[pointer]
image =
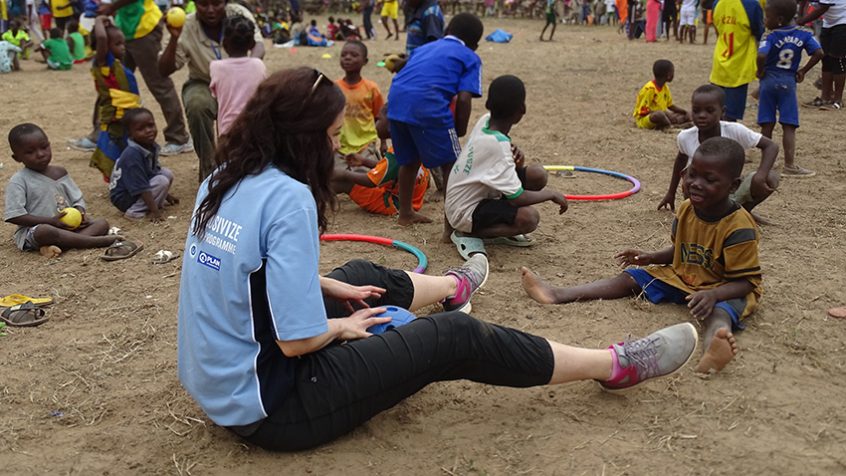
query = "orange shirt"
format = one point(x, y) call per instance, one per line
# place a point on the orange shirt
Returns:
point(364, 101)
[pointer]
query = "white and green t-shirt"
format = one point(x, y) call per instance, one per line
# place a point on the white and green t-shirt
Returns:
point(485, 169)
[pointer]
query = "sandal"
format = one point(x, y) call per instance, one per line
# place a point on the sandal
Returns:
point(467, 245)
point(831, 106)
point(15, 299)
point(24, 315)
point(121, 249)
point(520, 241)
point(797, 171)
point(164, 256)
point(817, 102)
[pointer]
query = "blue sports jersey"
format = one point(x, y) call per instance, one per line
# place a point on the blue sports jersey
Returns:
point(426, 25)
point(783, 48)
point(251, 280)
point(422, 91)
point(132, 173)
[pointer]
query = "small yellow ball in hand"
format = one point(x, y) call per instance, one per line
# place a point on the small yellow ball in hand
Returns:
point(175, 17)
point(72, 217)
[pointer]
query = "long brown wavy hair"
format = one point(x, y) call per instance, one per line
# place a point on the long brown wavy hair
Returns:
point(284, 125)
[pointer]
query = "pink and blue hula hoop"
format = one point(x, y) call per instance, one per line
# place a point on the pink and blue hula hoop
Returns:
point(609, 196)
point(422, 261)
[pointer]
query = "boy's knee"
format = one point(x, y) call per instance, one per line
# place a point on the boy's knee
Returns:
point(46, 234)
point(536, 177)
point(528, 219)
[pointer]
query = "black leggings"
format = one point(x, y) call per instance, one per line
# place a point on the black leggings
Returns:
point(342, 386)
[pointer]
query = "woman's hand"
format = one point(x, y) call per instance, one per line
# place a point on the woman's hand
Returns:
point(349, 294)
point(356, 325)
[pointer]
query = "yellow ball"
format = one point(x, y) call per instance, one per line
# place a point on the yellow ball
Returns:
point(175, 17)
point(72, 218)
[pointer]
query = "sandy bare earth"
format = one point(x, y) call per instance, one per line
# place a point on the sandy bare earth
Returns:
point(95, 390)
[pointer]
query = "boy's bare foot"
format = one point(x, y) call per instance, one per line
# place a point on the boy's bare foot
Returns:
point(722, 350)
point(50, 252)
point(535, 287)
point(413, 218)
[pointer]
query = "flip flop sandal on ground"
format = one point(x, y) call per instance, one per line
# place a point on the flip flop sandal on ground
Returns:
point(121, 250)
point(817, 102)
point(797, 171)
point(520, 241)
point(24, 315)
point(164, 256)
point(15, 299)
point(831, 106)
point(467, 245)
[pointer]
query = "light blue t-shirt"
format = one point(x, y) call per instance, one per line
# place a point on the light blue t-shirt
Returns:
point(422, 91)
point(250, 281)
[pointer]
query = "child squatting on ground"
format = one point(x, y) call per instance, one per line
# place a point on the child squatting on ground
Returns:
point(654, 108)
point(139, 185)
point(422, 126)
point(778, 69)
point(491, 191)
point(708, 105)
point(235, 79)
point(37, 195)
point(56, 52)
point(712, 265)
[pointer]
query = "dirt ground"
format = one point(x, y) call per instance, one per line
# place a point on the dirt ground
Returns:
point(95, 391)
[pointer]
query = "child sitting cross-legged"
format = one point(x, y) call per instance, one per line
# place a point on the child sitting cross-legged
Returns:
point(708, 107)
point(139, 185)
point(37, 198)
point(654, 108)
point(712, 265)
point(490, 191)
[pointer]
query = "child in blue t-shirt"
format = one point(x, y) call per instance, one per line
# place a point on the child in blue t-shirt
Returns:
point(422, 126)
point(139, 186)
point(778, 69)
point(425, 23)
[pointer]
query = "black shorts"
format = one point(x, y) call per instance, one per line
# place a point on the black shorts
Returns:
point(399, 290)
point(496, 211)
point(833, 41)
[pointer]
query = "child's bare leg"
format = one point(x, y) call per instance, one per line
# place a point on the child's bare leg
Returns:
point(387, 28)
point(536, 178)
point(406, 177)
point(98, 227)
point(767, 130)
point(446, 169)
point(720, 344)
point(47, 235)
point(430, 289)
point(789, 143)
point(660, 119)
point(617, 287)
point(396, 29)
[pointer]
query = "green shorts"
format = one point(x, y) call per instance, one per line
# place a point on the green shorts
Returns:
point(743, 194)
point(550, 17)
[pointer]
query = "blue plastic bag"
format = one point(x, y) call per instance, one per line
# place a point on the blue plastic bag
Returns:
point(499, 36)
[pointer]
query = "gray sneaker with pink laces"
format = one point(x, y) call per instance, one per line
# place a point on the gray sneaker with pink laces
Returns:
point(659, 354)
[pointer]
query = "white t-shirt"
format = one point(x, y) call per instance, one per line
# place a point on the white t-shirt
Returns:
point(836, 13)
point(689, 138)
point(485, 169)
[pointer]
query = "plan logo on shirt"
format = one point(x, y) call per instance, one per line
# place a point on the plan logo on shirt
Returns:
point(208, 260)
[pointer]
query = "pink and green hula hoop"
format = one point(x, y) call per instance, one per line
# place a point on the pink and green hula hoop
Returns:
point(422, 261)
point(608, 196)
